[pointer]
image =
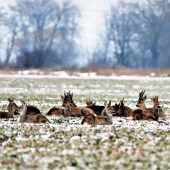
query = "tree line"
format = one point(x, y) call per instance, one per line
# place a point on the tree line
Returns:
point(41, 33)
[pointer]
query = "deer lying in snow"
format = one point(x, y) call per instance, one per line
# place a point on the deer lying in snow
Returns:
point(72, 111)
point(141, 104)
point(100, 120)
point(68, 98)
point(39, 118)
point(10, 113)
point(31, 110)
point(151, 114)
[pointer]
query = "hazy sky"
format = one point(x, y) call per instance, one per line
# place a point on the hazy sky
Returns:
point(91, 21)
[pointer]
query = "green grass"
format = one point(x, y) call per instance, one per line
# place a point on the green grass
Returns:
point(65, 143)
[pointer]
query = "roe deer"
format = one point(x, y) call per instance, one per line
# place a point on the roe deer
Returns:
point(152, 114)
point(100, 120)
point(72, 111)
point(39, 118)
point(55, 111)
point(90, 103)
point(10, 113)
point(68, 99)
point(156, 105)
point(141, 104)
point(108, 109)
point(31, 110)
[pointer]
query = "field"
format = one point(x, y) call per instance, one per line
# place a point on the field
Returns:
point(65, 143)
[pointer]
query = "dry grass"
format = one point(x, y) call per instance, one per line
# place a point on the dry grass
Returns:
point(102, 70)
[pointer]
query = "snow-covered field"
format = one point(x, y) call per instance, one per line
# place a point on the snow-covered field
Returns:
point(65, 143)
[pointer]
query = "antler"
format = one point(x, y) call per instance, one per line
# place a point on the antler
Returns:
point(121, 102)
point(141, 94)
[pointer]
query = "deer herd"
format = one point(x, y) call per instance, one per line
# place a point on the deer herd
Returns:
point(92, 114)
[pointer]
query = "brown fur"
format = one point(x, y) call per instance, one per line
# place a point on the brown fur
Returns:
point(72, 111)
point(10, 113)
point(108, 109)
point(157, 104)
point(148, 111)
point(95, 120)
point(144, 114)
point(56, 112)
point(68, 98)
point(39, 118)
point(90, 103)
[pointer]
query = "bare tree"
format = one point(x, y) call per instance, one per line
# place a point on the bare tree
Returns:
point(151, 18)
point(118, 39)
point(44, 25)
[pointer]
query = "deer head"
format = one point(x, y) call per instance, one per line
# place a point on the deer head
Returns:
point(117, 109)
point(12, 106)
point(67, 99)
point(109, 108)
point(155, 102)
point(141, 100)
point(22, 109)
point(90, 103)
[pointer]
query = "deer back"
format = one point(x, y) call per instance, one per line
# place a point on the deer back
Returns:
point(56, 112)
point(88, 120)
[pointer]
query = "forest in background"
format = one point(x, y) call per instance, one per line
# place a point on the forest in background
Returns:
point(45, 34)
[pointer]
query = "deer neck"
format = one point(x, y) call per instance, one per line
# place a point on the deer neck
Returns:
point(10, 114)
point(143, 106)
point(109, 119)
point(23, 116)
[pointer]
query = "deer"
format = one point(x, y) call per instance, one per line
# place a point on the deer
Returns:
point(141, 104)
point(91, 119)
point(68, 98)
point(31, 110)
point(151, 115)
point(122, 110)
point(90, 103)
point(38, 118)
point(157, 105)
point(10, 113)
point(55, 111)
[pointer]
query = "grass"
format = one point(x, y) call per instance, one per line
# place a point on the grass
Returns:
point(65, 143)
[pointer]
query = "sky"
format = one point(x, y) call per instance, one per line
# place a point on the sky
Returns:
point(91, 22)
point(91, 17)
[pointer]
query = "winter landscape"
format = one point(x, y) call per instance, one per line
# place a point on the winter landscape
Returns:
point(65, 143)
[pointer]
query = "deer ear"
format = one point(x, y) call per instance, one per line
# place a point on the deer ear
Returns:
point(119, 105)
point(64, 93)
point(94, 103)
point(62, 97)
point(22, 101)
point(144, 98)
point(109, 103)
point(72, 94)
point(9, 99)
point(105, 103)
